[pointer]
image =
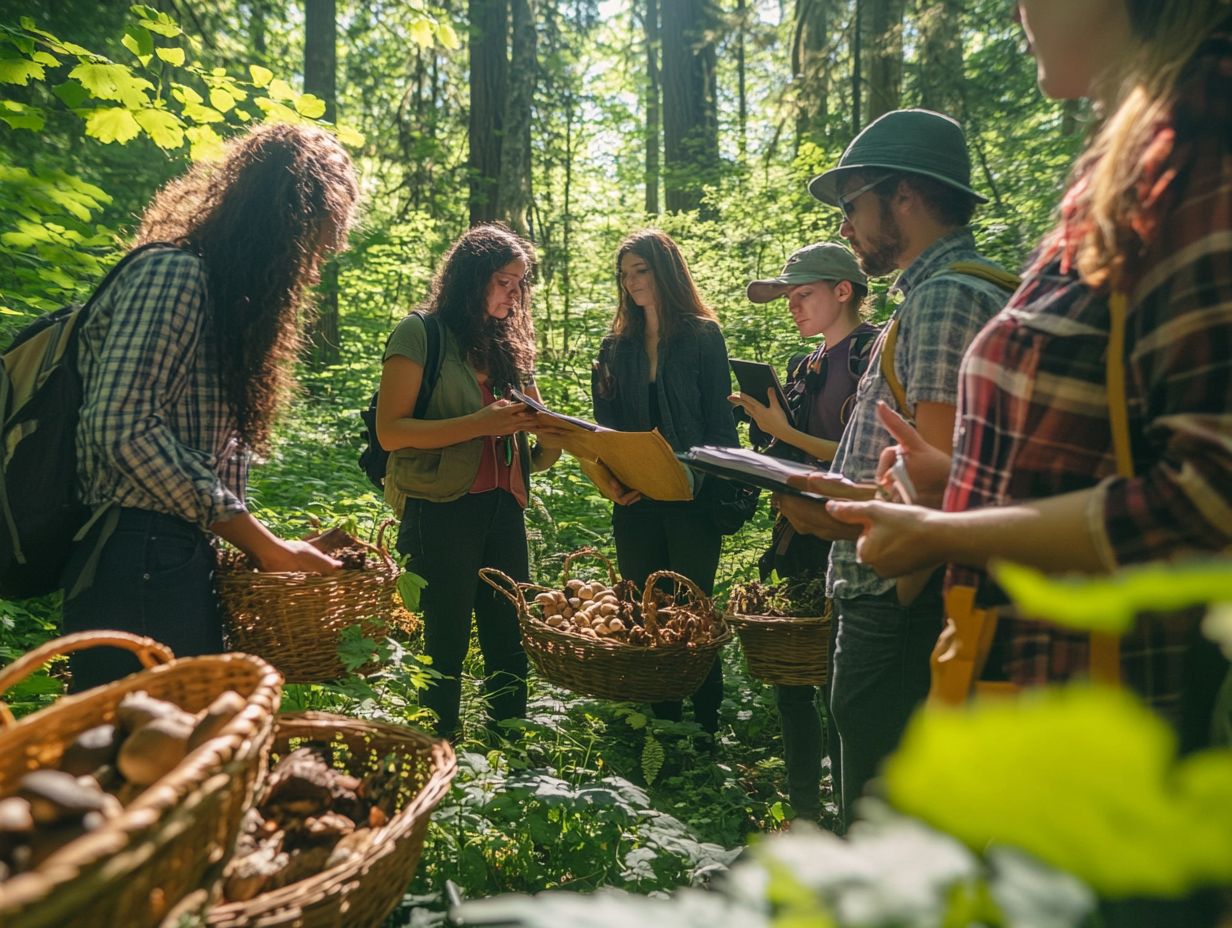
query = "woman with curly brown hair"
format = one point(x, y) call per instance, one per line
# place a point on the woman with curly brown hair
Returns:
point(459, 474)
point(185, 360)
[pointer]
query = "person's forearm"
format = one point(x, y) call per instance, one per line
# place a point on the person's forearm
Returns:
point(247, 533)
point(1053, 534)
point(820, 449)
point(429, 433)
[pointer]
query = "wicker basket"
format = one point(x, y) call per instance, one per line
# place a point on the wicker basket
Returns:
point(363, 891)
point(295, 620)
point(787, 650)
point(612, 669)
point(177, 836)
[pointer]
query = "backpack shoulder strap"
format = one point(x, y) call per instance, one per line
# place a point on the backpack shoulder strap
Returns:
point(990, 273)
point(120, 265)
point(432, 363)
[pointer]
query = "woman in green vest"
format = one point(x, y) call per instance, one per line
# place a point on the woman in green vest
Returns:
point(460, 475)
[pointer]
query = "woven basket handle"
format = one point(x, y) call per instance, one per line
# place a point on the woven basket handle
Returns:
point(699, 598)
point(506, 586)
point(380, 537)
point(147, 650)
point(587, 552)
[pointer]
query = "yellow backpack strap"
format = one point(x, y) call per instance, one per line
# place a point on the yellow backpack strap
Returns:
point(961, 651)
point(1106, 649)
point(988, 272)
point(887, 369)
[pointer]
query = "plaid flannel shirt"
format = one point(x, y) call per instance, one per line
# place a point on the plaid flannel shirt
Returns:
point(156, 431)
point(941, 312)
point(1033, 407)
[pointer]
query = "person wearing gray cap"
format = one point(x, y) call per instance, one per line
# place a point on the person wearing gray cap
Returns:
point(904, 188)
point(824, 288)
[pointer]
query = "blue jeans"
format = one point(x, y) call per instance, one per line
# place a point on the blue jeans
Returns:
point(155, 577)
point(447, 544)
point(881, 675)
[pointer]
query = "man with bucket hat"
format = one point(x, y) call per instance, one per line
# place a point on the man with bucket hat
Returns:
point(824, 288)
point(904, 188)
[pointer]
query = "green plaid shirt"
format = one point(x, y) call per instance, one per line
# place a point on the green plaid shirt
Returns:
point(156, 432)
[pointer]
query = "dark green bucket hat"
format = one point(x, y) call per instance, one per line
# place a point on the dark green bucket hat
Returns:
point(918, 141)
point(820, 261)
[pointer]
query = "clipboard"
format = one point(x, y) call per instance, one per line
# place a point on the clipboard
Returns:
point(746, 466)
point(642, 461)
point(758, 379)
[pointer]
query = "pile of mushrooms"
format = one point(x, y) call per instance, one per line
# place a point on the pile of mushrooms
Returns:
point(100, 772)
point(597, 610)
point(311, 817)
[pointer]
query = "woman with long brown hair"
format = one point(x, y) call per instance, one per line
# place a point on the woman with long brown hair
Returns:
point(664, 366)
point(459, 476)
point(185, 360)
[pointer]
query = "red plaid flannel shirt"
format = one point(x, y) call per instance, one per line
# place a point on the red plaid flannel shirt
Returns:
point(1033, 413)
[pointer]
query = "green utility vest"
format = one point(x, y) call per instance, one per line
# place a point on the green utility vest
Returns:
point(440, 475)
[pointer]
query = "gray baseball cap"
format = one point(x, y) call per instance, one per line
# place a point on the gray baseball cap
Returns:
point(819, 261)
point(916, 141)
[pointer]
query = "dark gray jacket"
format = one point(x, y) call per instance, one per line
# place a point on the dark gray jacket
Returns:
point(693, 382)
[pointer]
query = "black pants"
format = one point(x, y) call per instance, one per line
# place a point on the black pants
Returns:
point(652, 536)
point(155, 577)
point(447, 544)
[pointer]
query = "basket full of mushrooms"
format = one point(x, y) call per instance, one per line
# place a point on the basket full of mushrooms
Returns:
point(612, 640)
point(121, 804)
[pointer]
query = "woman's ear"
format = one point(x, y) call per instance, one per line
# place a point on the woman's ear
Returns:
point(843, 291)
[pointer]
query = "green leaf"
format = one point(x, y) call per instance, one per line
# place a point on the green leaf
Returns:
point(160, 23)
point(1085, 779)
point(173, 56)
point(277, 112)
point(310, 106)
point(221, 100)
point(139, 42)
point(186, 94)
point(280, 90)
point(446, 35)
point(20, 116)
point(46, 58)
point(112, 124)
point(348, 136)
point(19, 71)
point(410, 586)
point(163, 127)
point(1111, 604)
point(206, 144)
point(202, 114)
point(71, 93)
point(653, 757)
point(260, 76)
point(423, 33)
point(113, 82)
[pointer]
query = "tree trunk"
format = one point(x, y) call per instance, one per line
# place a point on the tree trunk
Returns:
point(320, 79)
point(515, 178)
point(857, 64)
point(489, 28)
point(808, 68)
point(654, 140)
point(941, 56)
point(882, 22)
point(690, 115)
point(742, 107)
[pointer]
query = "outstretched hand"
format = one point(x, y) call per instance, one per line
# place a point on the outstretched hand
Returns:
point(292, 556)
point(895, 540)
point(770, 417)
point(505, 417)
point(928, 467)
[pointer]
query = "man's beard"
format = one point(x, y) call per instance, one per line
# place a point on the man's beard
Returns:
point(882, 256)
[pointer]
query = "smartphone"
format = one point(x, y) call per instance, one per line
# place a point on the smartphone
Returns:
point(758, 379)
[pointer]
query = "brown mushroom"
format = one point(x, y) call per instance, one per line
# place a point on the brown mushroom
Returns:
point(223, 709)
point(93, 748)
point(138, 709)
point(154, 749)
point(55, 797)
